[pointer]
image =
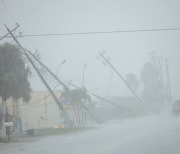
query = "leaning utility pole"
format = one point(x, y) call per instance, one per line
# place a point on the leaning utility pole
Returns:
point(85, 65)
point(37, 70)
point(62, 83)
point(168, 83)
point(157, 67)
point(55, 76)
point(161, 77)
point(47, 86)
point(66, 87)
point(158, 72)
point(154, 63)
point(121, 77)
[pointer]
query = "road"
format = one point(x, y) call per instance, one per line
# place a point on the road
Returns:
point(155, 134)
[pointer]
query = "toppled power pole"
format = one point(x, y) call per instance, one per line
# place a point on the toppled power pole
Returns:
point(46, 84)
point(44, 66)
point(37, 70)
point(66, 87)
point(42, 78)
point(121, 77)
point(61, 82)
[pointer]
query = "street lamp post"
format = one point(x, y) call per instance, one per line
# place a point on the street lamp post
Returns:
point(85, 65)
point(60, 66)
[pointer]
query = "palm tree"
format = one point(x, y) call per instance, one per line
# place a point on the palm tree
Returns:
point(78, 98)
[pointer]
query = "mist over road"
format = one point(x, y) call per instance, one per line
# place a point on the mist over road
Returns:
point(155, 134)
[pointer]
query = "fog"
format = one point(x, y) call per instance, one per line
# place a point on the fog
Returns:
point(128, 51)
point(68, 37)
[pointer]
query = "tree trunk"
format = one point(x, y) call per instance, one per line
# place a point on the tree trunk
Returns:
point(3, 130)
point(18, 115)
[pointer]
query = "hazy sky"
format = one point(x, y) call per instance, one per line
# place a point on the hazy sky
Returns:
point(128, 51)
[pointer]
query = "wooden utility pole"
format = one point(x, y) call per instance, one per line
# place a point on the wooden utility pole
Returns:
point(60, 66)
point(37, 70)
point(55, 76)
point(154, 64)
point(168, 83)
point(121, 77)
point(66, 87)
point(85, 65)
point(161, 77)
point(17, 26)
point(62, 83)
point(158, 72)
point(40, 75)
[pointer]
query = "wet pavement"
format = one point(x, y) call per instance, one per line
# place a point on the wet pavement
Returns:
point(155, 134)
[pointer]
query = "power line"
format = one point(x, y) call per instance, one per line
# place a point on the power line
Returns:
point(9, 11)
point(50, 80)
point(38, 100)
point(101, 32)
point(13, 18)
point(48, 77)
point(35, 102)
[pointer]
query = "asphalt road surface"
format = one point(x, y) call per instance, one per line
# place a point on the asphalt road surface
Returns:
point(155, 134)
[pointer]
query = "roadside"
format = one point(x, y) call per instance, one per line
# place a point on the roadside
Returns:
point(44, 132)
point(151, 134)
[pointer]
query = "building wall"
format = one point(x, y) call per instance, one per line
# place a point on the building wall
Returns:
point(43, 112)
